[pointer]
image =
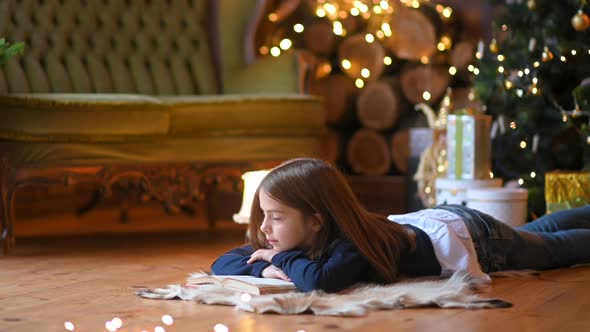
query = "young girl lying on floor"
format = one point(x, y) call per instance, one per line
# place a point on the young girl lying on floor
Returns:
point(307, 226)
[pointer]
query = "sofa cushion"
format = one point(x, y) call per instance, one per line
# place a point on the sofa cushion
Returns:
point(245, 115)
point(81, 117)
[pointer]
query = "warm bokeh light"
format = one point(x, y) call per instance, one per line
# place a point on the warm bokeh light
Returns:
point(365, 73)
point(359, 83)
point(167, 319)
point(298, 28)
point(220, 328)
point(69, 326)
point(275, 51)
point(285, 44)
point(346, 64)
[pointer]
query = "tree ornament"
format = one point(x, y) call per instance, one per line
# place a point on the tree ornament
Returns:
point(547, 55)
point(494, 46)
point(531, 4)
point(580, 21)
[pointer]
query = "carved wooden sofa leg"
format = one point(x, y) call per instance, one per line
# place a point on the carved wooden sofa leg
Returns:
point(7, 188)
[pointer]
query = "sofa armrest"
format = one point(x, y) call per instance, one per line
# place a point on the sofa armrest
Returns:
point(284, 74)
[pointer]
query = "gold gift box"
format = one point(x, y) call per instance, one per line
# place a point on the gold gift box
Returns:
point(566, 190)
point(469, 146)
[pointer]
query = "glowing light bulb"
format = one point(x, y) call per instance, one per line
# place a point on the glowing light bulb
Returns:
point(275, 51)
point(167, 319)
point(426, 95)
point(387, 61)
point(365, 73)
point(447, 12)
point(452, 70)
point(359, 83)
point(285, 44)
point(220, 328)
point(298, 28)
point(346, 64)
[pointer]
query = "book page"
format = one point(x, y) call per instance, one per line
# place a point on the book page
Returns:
point(257, 281)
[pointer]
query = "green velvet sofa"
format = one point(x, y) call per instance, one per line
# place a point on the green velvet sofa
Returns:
point(160, 94)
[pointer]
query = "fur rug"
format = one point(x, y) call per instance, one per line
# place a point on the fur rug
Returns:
point(455, 292)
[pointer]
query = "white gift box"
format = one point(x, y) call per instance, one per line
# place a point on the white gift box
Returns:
point(453, 191)
point(509, 205)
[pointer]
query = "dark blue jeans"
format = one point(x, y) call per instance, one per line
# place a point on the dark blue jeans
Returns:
point(559, 239)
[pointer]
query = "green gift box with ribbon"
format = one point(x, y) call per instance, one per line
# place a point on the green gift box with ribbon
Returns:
point(468, 146)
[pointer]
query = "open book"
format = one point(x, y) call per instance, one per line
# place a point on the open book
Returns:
point(245, 284)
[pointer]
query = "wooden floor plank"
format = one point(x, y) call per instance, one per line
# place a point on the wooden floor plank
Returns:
point(89, 280)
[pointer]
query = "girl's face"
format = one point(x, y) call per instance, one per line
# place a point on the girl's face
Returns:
point(286, 228)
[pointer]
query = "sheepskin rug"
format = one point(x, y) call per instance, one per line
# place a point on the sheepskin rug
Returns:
point(458, 291)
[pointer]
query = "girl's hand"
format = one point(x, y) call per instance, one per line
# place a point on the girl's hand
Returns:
point(262, 255)
point(272, 271)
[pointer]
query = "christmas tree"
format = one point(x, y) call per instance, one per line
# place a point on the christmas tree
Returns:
point(534, 78)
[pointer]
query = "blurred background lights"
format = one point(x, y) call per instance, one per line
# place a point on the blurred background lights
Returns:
point(285, 44)
point(359, 83)
point(346, 64)
point(298, 28)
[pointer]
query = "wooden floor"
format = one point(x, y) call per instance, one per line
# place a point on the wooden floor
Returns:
point(89, 280)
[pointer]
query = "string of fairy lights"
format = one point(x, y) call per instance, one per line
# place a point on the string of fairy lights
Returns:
point(524, 81)
point(377, 15)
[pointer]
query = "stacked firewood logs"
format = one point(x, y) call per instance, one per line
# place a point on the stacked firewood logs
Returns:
point(370, 85)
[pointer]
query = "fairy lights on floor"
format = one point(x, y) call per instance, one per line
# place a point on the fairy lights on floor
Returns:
point(116, 324)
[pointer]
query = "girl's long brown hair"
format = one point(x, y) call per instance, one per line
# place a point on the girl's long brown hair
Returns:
point(313, 186)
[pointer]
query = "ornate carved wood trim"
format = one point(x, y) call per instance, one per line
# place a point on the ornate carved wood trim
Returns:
point(174, 185)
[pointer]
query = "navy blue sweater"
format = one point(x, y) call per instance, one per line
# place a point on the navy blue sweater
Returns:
point(343, 266)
